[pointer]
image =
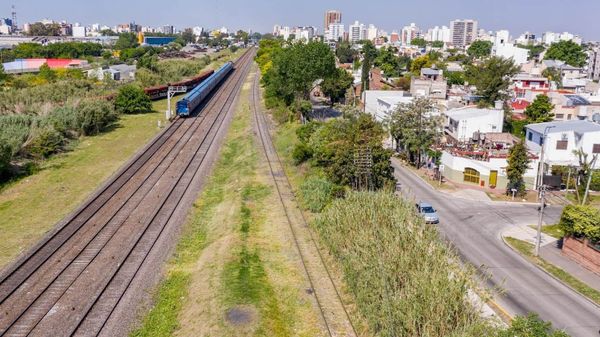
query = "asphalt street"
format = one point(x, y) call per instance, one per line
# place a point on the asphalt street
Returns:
point(475, 228)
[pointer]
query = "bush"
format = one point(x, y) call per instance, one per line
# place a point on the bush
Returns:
point(306, 130)
point(5, 156)
point(581, 221)
point(132, 99)
point(531, 325)
point(94, 116)
point(301, 153)
point(316, 193)
point(14, 131)
point(44, 141)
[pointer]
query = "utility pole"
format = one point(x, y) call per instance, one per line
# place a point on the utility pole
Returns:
point(540, 179)
point(538, 240)
point(591, 173)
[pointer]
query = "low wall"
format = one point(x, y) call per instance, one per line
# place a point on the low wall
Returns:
point(581, 252)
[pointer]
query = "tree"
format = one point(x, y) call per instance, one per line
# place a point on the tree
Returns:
point(518, 163)
point(46, 73)
point(188, 36)
point(437, 44)
point(420, 63)
point(419, 42)
point(149, 62)
point(492, 78)
point(126, 41)
point(369, 54)
point(480, 49)
point(3, 75)
point(568, 52)
point(335, 87)
point(534, 50)
point(108, 32)
point(414, 128)
point(345, 53)
point(531, 326)
point(389, 62)
point(455, 77)
point(132, 99)
point(40, 29)
point(540, 110)
point(403, 83)
point(553, 74)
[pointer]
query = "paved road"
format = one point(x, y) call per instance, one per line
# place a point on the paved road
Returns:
point(475, 229)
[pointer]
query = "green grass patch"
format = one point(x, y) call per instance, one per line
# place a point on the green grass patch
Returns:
point(552, 230)
point(163, 317)
point(526, 249)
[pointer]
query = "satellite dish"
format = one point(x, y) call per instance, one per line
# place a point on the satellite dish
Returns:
point(596, 117)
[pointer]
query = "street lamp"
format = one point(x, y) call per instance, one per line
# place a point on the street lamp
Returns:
point(542, 191)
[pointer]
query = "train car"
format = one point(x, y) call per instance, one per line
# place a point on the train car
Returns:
point(161, 91)
point(193, 99)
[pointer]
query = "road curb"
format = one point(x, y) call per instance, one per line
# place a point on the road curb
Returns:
point(450, 195)
point(550, 274)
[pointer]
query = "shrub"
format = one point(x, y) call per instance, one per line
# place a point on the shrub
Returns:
point(316, 193)
point(64, 120)
point(305, 131)
point(581, 221)
point(531, 325)
point(5, 156)
point(302, 152)
point(94, 116)
point(44, 141)
point(14, 131)
point(132, 99)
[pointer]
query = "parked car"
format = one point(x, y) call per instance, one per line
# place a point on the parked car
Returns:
point(428, 213)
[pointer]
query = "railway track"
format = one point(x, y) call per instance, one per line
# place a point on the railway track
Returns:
point(334, 315)
point(70, 283)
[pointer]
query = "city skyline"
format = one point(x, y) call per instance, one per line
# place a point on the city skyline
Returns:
point(536, 16)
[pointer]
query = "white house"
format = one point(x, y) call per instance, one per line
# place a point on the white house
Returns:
point(381, 102)
point(562, 139)
point(510, 51)
point(463, 123)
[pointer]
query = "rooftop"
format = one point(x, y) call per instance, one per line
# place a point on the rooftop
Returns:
point(469, 112)
point(578, 126)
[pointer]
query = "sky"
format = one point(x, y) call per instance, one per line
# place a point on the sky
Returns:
point(537, 16)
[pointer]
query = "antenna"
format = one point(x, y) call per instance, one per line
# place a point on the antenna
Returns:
point(14, 18)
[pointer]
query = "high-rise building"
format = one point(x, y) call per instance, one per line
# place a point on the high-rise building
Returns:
point(168, 29)
point(409, 33)
point(332, 17)
point(463, 32)
point(394, 37)
point(335, 32)
point(372, 33)
point(357, 32)
point(594, 63)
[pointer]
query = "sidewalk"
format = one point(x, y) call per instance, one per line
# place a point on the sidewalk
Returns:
point(528, 234)
point(553, 255)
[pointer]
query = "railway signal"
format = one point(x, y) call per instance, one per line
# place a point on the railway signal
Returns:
point(172, 91)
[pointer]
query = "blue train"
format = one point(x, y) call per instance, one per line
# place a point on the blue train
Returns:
point(193, 99)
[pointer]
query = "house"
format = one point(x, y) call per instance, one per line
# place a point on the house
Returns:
point(562, 138)
point(522, 83)
point(463, 123)
point(430, 84)
point(118, 72)
point(380, 103)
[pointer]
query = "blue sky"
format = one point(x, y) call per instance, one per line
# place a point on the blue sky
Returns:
point(576, 16)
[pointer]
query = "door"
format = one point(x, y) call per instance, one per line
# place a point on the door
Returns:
point(493, 178)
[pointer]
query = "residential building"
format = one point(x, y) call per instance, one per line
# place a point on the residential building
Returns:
point(409, 33)
point(510, 51)
point(381, 103)
point(431, 84)
point(372, 33)
point(438, 34)
point(526, 39)
point(593, 69)
point(562, 139)
point(549, 38)
point(394, 37)
point(501, 37)
point(79, 31)
point(357, 32)
point(463, 124)
point(463, 32)
point(523, 83)
point(482, 161)
point(168, 29)
point(332, 17)
point(336, 32)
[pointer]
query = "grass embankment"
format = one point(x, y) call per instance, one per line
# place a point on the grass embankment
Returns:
point(29, 207)
point(553, 230)
point(526, 249)
point(233, 272)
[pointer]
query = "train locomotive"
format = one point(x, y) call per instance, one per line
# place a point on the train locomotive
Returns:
point(192, 99)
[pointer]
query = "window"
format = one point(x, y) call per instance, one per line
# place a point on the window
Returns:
point(530, 135)
point(471, 175)
point(569, 116)
point(596, 148)
point(560, 116)
point(562, 144)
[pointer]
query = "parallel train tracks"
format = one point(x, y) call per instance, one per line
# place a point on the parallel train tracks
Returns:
point(70, 283)
point(333, 312)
